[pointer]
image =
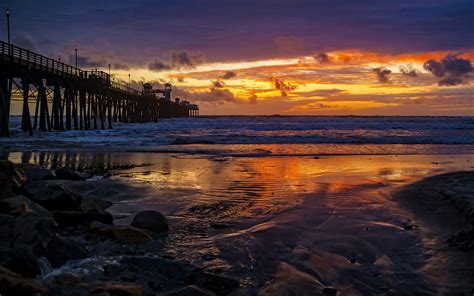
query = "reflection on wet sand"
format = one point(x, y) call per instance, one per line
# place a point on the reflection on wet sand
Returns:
point(282, 224)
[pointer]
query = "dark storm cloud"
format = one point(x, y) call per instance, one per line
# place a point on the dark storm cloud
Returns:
point(184, 59)
point(218, 83)
point(159, 66)
point(382, 74)
point(452, 69)
point(178, 60)
point(322, 58)
point(213, 96)
point(229, 75)
point(408, 70)
point(283, 86)
point(87, 62)
point(139, 30)
point(120, 66)
point(252, 99)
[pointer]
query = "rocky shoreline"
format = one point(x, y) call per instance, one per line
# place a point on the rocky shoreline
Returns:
point(50, 237)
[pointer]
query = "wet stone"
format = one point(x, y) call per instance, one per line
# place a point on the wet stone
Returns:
point(12, 283)
point(61, 250)
point(188, 291)
point(6, 177)
point(329, 291)
point(18, 205)
point(122, 289)
point(23, 261)
point(150, 220)
point(75, 218)
point(68, 174)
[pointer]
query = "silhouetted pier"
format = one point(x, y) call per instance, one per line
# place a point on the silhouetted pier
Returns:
point(66, 97)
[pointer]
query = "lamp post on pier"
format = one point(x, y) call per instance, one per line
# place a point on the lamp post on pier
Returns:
point(128, 79)
point(75, 49)
point(7, 13)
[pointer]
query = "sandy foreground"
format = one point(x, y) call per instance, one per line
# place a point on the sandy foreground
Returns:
point(365, 225)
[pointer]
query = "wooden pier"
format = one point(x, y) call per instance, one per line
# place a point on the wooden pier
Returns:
point(66, 97)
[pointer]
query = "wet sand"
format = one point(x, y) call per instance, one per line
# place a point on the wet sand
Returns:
point(296, 225)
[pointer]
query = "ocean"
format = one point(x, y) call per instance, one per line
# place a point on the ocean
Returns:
point(284, 204)
point(264, 136)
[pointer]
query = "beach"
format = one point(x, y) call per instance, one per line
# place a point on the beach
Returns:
point(262, 218)
point(282, 225)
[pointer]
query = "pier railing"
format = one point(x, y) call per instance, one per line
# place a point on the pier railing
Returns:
point(20, 56)
point(17, 55)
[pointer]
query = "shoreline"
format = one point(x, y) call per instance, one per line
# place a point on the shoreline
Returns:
point(443, 205)
point(126, 260)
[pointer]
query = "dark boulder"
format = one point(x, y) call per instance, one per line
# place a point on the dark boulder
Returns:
point(216, 283)
point(33, 230)
point(75, 218)
point(130, 234)
point(118, 289)
point(7, 227)
point(92, 203)
point(68, 290)
point(64, 279)
point(68, 174)
point(61, 250)
point(125, 234)
point(14, 284)
point(18, 205)
point(19, 178)
point(150, 220)
point(329, 291)
point(35, 173)
point(55, 197)
point(6, 178)
point(23, 261)
point(188, 291)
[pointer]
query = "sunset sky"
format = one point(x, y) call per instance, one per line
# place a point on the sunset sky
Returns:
point(268, 57)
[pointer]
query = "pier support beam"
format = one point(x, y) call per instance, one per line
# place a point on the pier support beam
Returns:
point(4, 105)
point(26, 117)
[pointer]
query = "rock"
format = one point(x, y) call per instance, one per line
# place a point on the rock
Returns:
point(23, 261)
point(329, 291)
point(19, 177)
point(91, 204)
point(130, 234)
point(7, 225)
point(61, 250)
point(176, 270)
point(150, 220)
point(119, 289)
point(75, 218)
point(65, 279)
point(54, 197)
point(6, 177)
point(68, 174)
point(33, 230)
point(35, 173)
point(18, 205)
point(67, 290)
point(126, 234)
point(14, 284)
point(187, 291)
point(216, 283)
point(102, 229)
point(219, 226)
